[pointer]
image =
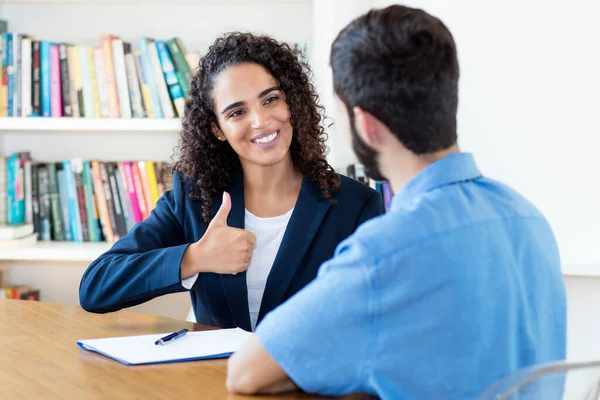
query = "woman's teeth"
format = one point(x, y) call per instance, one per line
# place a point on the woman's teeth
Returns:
point(266, 139)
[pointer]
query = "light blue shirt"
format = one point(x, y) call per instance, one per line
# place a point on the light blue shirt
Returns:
point(457, 286)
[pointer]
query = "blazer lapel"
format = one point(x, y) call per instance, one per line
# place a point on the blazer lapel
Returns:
point(304, 223)
point(234, 286)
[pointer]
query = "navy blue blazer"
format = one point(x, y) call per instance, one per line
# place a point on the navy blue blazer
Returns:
point(145, 263)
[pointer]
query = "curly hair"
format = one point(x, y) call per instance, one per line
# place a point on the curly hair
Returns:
point(210, 165)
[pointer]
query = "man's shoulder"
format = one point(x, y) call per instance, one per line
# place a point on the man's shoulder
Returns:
point(446, 210)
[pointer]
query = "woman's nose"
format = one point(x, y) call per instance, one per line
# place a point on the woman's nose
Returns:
point(261, 119)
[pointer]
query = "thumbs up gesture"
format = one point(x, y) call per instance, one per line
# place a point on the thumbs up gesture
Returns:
point(222, 249)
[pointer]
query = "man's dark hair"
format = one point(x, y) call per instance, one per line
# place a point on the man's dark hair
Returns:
point(400, 65)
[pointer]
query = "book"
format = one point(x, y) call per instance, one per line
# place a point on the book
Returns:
point(139, 350)
point(11, 232)
point(18, 243)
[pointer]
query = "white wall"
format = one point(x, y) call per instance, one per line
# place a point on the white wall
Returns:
point(197, 23)
point(528, 104)
point(330, 16)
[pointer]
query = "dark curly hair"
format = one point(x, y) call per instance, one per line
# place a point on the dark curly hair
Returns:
point(210, 165)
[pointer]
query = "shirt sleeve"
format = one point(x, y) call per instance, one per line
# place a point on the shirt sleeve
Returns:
point(322, 335)
point(188, 283)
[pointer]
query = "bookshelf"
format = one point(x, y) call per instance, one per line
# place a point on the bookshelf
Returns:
point(56, 267)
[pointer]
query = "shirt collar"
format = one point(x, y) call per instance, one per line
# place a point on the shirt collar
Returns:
point(454, 168)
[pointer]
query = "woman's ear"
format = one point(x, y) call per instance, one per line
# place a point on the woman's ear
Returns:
point(218, 133)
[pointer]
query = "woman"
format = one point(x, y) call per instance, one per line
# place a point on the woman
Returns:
point(255, 207)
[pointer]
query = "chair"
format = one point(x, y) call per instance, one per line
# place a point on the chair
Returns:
point(550, 381)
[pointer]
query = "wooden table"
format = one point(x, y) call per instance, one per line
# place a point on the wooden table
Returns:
point(39, 358)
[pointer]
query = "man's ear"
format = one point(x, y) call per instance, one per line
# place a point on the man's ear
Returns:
point(366, 126)
point(218, 133)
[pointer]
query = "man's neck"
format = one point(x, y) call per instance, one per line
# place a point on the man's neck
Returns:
point(403, 169)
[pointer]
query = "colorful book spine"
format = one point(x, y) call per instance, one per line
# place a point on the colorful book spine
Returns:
point(44, 195)
point(17, 73)
point(36, 85)
point(10, 74)
point(26, 78)
point(101, 82)
point(56, 108)
point(4, 75)
point(118, 206)
point(89, 202)
point(110, 201)
point(27, 186)
point(74, 219)
point(109, 69)
point(64, 203)
point(65, 82)
point(78, 80)
point(144, 86)
point(152, 182)
point(133, 83)
point(86, 83)
point(388, 195)
point(97, 108)
point(121, 78)
point(123, 198)
point(77, 168)
point(139, 190)
point(55, 206)
point(72, 63)
point(133, 199)
point(35, 199)
point(101, 202)
point(45, 73)
point(10, 188)
point(171, 80)
point(182, 69)
point(159, 78)
point(148, 76)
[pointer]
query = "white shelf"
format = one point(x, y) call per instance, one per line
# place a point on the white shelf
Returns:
point(56, 251)
point(39, 124)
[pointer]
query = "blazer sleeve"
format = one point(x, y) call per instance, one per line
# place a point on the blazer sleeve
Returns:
point(373, 208)
point(143, 264)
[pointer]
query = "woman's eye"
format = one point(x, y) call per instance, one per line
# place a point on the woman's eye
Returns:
point(271, 99)
point(236, 113)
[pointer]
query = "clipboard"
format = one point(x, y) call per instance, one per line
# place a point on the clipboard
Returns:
point(141, 350)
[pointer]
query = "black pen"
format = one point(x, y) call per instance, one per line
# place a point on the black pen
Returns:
point(171, 337)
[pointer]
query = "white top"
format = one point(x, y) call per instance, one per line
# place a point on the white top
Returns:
point(269, 234)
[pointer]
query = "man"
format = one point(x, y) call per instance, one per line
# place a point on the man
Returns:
point(457, 286)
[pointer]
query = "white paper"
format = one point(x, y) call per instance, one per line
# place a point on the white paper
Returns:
point(193, 346)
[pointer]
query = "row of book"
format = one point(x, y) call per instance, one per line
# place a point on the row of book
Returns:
point(357, 171)
point(20, 292)
point(109, 80)
point(80, 201)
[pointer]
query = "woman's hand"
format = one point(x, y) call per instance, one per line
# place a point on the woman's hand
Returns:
point(222, 249)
